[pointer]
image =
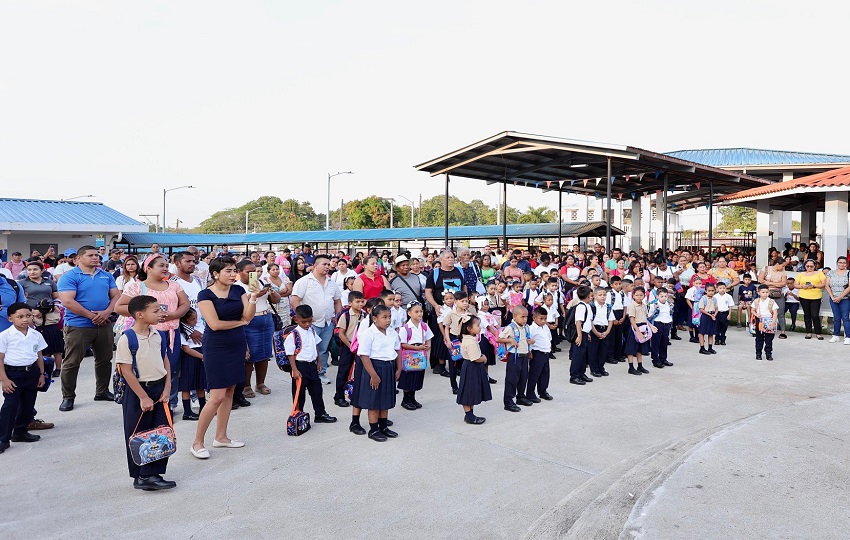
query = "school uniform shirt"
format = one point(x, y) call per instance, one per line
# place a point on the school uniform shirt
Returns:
point(551, 313)
point(764, 308)
point(469, 348)
point(21, 349)
point(638, 312)
point(708, 304)
point(602, 317)
point(557, 298)
point(616, 299)
point(584, 315)
point(522, 343)
point(444, 311)
point(378, 345)
point(397, 317)
point(453, 321)
point(724, 301)
point(627, 300)
point(348, 328)
point(416, 334)
point(663, 312)
point(530, 295)
point(309, 352)
point(691, 294)
point(790, 298)
point(148, 358)
point(542, 337)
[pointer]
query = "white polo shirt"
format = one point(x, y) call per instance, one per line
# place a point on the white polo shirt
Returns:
point(378, 345)
point(602, 317)
point(308, 352)
point(542, 337)
point(319, 297)
point(584, 314)
point(21, 349)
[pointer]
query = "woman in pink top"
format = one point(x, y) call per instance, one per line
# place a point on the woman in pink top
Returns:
point(173, 304)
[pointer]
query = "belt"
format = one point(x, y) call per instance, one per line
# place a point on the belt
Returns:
point(21, 368)
point(153, 383)
point(261, 313)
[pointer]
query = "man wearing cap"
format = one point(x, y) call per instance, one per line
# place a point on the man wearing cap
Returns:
point(70, 262)
point(89, 295)
point(407, 283)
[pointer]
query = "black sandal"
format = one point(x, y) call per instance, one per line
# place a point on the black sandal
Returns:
point(820, 337)
point(808, 336)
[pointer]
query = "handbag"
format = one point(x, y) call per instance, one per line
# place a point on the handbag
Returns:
point(298, 422)
point(454, 350)
point(776, 294)
point(413, 360)
point(153, 444)
point(278, 322)
point(348, 389)
point(643, 333)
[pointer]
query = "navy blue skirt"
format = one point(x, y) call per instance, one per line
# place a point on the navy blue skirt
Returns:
point(474, 384)
point(259, 335)
point(707, 326)
point(632, 346)
point(411, 381)
point(488, 351)
point(192, 373)
point(375, 400)
point(54, 339)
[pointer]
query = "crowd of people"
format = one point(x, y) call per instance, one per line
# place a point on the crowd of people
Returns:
point(196, 327)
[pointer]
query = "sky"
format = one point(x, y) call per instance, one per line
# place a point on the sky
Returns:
point(242, 99)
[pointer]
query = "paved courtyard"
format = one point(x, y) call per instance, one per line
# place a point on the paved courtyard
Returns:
point(717, 446)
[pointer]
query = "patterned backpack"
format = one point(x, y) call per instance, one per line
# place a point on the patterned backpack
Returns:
point(279, 341)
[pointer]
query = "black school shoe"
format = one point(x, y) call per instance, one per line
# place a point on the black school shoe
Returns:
point(190, 416)
point(659, 365)
point(546, 395)
point(475, 420)
point(677, 338)
point(491, 380)
point(324, 418)
point(357, 429)
point(242, 401)
point(153, 483)
point(408, 406)
point(585, 378)
point(758, 357)
point(512, 407)
point(551, 356)
point(67, 405)
point(577, 380)
point(341, 403)
point(534, 399)
point(524, 402)
point(769, 358)
point(642, 369)
point(26, 437)
point(377, 436)
point(104, 396)
point(389, 433)
point(666, 363)
point(416, 404)
point(632, 371)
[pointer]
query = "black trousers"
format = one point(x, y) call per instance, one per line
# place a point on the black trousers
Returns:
point(764, 341)
point(793, 308)
point(811, 314)
point(578, 357)
point(597, 353)
point(722, 324)
point(18, 406)
point(615, 343)
point(516, 377)
point(660, 341)
point(310, 382)
point(454, 365)
point(346, 360)
point(132, 408)
point(538, 373)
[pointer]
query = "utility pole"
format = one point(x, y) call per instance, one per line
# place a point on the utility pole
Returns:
point(341, 207)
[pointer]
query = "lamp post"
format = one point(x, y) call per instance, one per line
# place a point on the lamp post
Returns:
point(164, 192)
point(246, 217)
point(147, 218)
point(328, 214)
point(391, 200)
point(77, 197)
point(412, 208)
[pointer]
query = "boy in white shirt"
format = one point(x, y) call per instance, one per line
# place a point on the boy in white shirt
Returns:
point(661, 316)
point(616, 299)
point(553, 288)
point(602, 316)
point(792, 301)
point(303, 356)
point(578, 351)
point(21, 375)
point(725, 303)
point(517, 338)
point(529, 296)
point(538, 368)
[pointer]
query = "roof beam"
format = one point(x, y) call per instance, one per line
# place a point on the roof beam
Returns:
point(476, 158)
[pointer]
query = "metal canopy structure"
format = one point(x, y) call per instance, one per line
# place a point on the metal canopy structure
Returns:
point(796, 194)
point(371, 236)
point(584, 167)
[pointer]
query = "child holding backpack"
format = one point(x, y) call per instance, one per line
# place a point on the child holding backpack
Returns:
point(474, 387)
point(414, 335)
point(379, 350)
point(638, 317)
point(301, 346)
point(451, 334)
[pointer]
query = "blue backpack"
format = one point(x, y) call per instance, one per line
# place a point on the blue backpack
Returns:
point(119, 384)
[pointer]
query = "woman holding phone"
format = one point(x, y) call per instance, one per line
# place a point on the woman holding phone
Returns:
point(810, 284)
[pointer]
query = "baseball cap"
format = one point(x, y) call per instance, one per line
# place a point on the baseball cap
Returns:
point(70, 251)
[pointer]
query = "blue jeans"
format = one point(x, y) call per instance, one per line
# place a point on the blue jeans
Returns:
point(325, 333)
point(840, 313)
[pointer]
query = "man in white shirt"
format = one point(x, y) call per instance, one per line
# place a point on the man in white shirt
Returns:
point(191, 285)
point(323, 296)
point(546, 266)
point(70, 255)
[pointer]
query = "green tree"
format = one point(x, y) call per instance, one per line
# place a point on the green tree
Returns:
point(539, 214)
point(268, 213)
point(736, 217)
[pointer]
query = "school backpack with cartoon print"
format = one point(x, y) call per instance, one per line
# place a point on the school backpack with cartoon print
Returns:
point(695, 313)
point(279, 342)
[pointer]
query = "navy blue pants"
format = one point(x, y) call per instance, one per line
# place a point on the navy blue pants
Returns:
point(723, 324)
point(538, 374)
point(597, 352)
point(516, 377)
point(310, 382)
point(764, 341)
point(132, 408)
point(578, 357)
point(660, 341)
point(346, 360)
point(18, 407)
point(615, 338)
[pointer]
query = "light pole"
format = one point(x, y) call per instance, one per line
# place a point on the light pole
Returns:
point(246, 217)
point(328, 214)
point(391, 208)
point(412, 208)
point(148, 216)
point(77, 197)
point(164, 192)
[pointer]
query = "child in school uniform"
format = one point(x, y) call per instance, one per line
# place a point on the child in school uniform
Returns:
point(379, 353)
point(765, 313)
point(551, 323)
point(362, 326)
point(346, 327)
point(579, 358)
point(399, 314)
point(661, 316)
point(414, 335)
point(192, 373)
point(639, 323)
point(602, 317)
point(451, 332)
point(674, 291)
point(21, 375)
point(490, 328)
point(517, 337)
point(554, 309)
point(530, 294)
point(440, 354)
point(692, 298)
point(474, 387)
point(616, 298)
point(538, 366)
point(725, 303)
point(707, 306)
point(747, 292)
point(148, 386)
point(305, 365)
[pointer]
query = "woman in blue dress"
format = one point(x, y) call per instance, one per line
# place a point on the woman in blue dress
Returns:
point(226, 309)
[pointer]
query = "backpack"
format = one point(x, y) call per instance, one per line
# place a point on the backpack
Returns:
point(593, 311)
point(570, 321)
point(15, 287)
point(279, 341)
point(345, 313)
point(119, 384)
point(511, 348)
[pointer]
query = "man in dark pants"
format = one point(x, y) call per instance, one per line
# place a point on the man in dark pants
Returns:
point(89, 295)
point(579, 349)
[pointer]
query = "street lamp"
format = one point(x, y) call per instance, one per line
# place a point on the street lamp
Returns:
point(164, 191)
point(391, 208)
point(412, 208)
point(328, 214)
point(77, 197)
point(246, 216)
point(147, 218)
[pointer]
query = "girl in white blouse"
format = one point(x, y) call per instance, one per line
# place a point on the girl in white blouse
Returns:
point(375, 391)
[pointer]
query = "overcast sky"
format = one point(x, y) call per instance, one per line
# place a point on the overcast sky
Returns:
point(241, 99)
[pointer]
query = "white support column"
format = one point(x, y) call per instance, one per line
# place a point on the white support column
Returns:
point(782, 232)
point(835, 227)
point(762, 232)
point(637, 220)
point(808, 222)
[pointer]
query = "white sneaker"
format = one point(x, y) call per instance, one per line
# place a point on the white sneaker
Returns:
point(324, 379)
point(836, 339)
point(847, 341)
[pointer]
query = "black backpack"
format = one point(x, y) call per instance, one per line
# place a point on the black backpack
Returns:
point(570, 324)
point(15, 287)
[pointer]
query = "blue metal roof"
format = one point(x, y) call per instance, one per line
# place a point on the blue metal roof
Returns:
point(373, 236)
point(15, 214)
point(751, 157)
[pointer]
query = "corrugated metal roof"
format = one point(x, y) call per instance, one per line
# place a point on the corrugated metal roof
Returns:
point(374, 236)
point(838, 178)
point(751, 157)
point(16, 213)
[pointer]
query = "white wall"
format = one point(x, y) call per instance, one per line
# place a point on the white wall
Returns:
point(62, 240)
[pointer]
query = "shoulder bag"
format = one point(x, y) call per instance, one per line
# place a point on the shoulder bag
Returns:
point(153, 444)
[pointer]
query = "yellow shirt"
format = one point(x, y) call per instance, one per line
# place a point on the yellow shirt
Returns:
point(816, 278)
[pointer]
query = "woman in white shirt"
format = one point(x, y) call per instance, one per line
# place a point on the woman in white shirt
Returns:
point(129, 273)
